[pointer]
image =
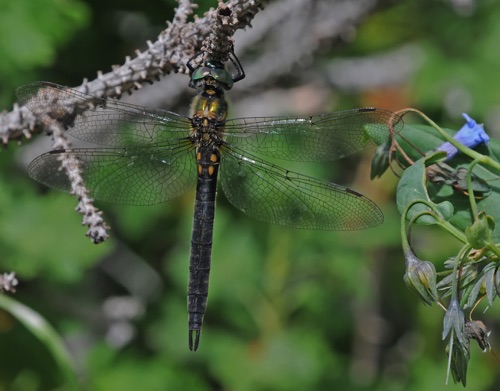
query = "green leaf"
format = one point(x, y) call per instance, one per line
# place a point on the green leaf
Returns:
point(412, 187)
point(42, 330)
point(435, 157)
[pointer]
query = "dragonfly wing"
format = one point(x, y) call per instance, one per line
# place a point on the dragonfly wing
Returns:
point(270, 193)
point(135, 176)
point(324, 137)
point(99, 120)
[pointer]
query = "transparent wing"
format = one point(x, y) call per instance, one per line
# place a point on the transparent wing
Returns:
point(270, 193)
point(323, 137)
point(102, 121)
point(134, 176)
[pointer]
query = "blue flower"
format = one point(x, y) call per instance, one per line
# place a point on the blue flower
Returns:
point(470, 135)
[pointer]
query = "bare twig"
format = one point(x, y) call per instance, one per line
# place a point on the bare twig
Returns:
point(92, 217)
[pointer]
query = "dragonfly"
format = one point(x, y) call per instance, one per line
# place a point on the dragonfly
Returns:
point(148, 156)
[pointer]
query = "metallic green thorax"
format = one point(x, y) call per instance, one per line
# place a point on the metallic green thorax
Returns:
point(209, 107)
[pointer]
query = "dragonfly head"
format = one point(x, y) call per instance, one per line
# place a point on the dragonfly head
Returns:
point(211, 77)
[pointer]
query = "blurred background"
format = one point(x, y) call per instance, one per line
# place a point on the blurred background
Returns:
point(288, 309)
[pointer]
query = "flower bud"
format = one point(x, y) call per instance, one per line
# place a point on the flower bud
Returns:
point(420, 277)
point(479, 234)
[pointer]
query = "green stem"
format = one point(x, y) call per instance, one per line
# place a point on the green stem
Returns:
point(472, 200)
point(437, 216)
point(494, 249)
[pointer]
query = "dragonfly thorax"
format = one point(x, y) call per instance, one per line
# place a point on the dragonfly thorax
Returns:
point(209, 106)
point(206, 131)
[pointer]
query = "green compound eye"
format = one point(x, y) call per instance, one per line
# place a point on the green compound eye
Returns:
point(200, 73)
point(223, 77)
point(218, 74)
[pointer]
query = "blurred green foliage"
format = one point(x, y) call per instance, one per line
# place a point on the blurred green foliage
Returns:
point(288, 309)
point(30, 34)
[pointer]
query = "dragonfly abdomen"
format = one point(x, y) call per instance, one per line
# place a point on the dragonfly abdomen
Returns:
point(207, 159)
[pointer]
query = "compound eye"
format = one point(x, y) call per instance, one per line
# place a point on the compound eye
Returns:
point(223, 77)
point(201, 73)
